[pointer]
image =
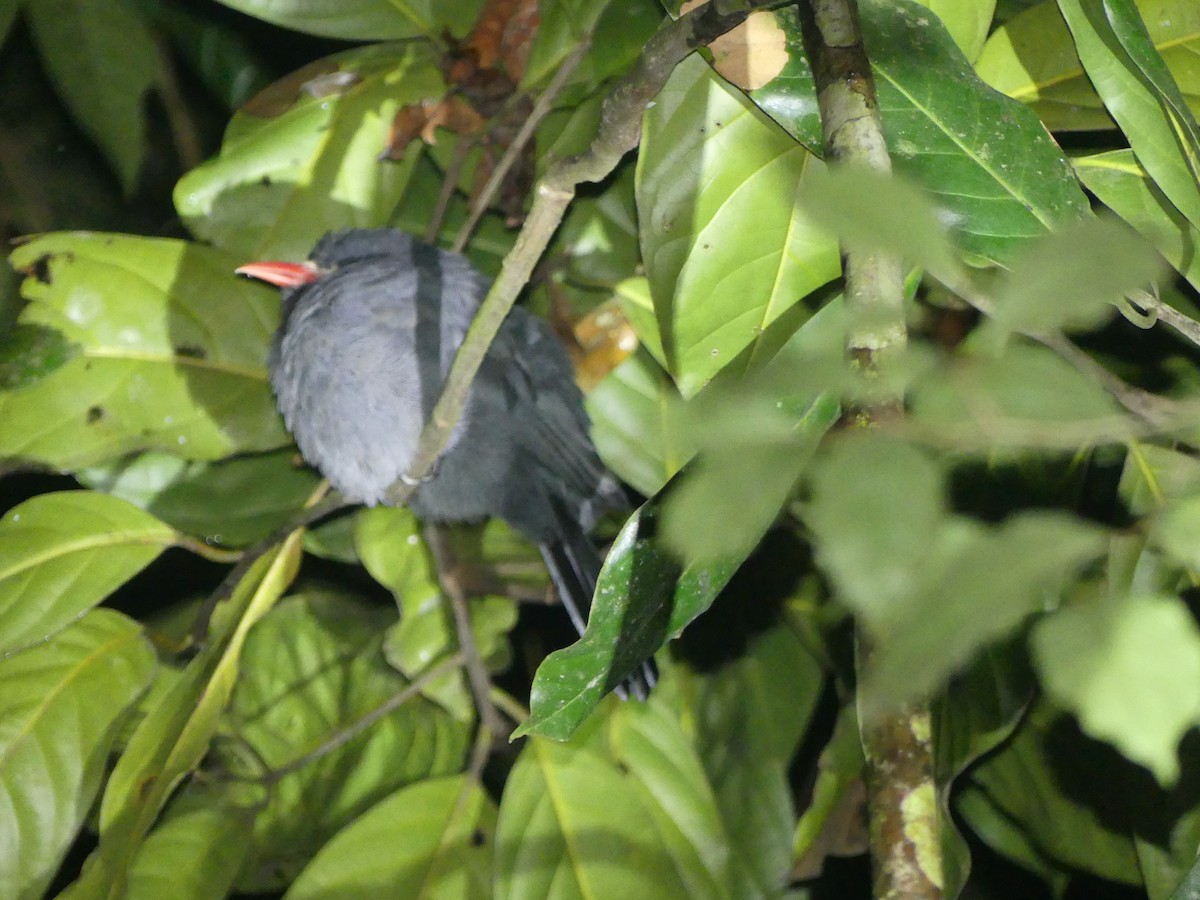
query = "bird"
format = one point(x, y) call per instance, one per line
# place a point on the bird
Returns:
point(370, 325)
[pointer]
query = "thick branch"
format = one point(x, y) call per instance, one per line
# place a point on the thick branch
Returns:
point(898, 746)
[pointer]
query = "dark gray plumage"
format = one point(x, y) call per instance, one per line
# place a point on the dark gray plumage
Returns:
point(369, 331)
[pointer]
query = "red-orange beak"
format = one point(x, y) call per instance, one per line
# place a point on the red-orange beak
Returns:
point(281, 274)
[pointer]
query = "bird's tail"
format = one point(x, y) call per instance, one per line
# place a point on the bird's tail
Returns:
point(574, 566)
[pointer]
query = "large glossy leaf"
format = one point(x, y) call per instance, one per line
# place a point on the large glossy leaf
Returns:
point(622, 810)
point(193, 854)
point(311, 668)
point(636, 424)
point(1121, 183)
point(967, 21)
point(365, 20)
point(432, 839)
point(769, 692)
point(1051, 804)
point(997, 176)
point(232, 502)
point(176, 731)
point(726, 247)
point(60, 708)
point(302, 157)
point(1138, 91)
point(644, 595)
point(79, 42)
point(62, 553)
point(172, 353)
point(1032, 58)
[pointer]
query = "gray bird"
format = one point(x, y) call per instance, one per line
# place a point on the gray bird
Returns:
point(370, 327)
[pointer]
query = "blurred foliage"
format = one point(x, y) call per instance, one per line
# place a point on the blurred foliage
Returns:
point(1022, 545)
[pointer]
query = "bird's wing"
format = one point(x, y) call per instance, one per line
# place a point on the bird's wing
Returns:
point(554, 435)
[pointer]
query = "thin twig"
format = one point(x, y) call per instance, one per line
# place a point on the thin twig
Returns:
point(510, 705)
point(1186, 326)
point(357, 727)
point(183, 130)
point(514, 150)
point(449, 183)
point(477, 674)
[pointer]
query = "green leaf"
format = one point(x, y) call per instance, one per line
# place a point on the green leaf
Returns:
point(432, 839)
point(1041, 799)
point(176, 731)
point(1153, 475)
point(1032, 58)
point(311, 669)
point(967, 21)
point(61, 708)
point(193, 854)
point(620, 30)
point(219, 55)
point(1139, 92)
point(623, 810)
point(752, 454)
point(62, 553)
point(79, 41)
point(303, 157)
point(365, 20)
point(390, 544)
point(233, 502)
point(1072, 279)
point(873, 212)
point(172, 353)
point(978, 714)
point(8, 14)
point(975, 585)
point(1029, 396)
point(1129, 668)
point(643, 596)
point(1124, 187)
point(876, 507)
point(726, 247)
point(1175, 530)
point(997, 176)
point(770, 692)
point(839, 773)
point(636, 424)
point(28, 353)
point(790, 98)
